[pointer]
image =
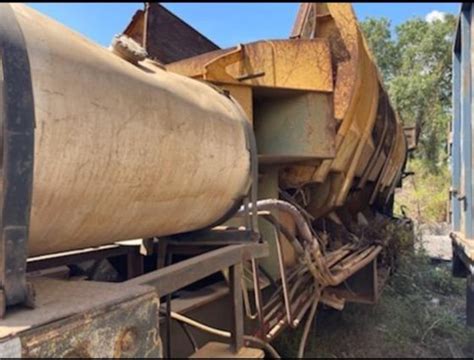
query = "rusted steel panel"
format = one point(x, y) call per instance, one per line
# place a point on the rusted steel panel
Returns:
point(137, 27)
point(86, 319)
point(128, 329)
point(167, 37)
point(332, 152)
point(296, 128)
point(362, 287)
point(362, 113)
point(305, 22)
point(298, 65)
point(357, 154)
point(338, 23)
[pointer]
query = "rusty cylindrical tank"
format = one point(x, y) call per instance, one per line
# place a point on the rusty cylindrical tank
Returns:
point(111, 150)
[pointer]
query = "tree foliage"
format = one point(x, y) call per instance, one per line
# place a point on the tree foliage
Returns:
point(415, 61)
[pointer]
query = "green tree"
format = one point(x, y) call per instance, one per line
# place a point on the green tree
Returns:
point(415, 61)
point(382, 45)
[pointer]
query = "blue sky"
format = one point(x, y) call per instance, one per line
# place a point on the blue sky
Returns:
point(224, 23)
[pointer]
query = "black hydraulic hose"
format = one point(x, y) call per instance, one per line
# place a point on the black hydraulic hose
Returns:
point(189, 336)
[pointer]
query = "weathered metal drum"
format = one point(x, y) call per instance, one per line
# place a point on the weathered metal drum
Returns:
point(111, 150)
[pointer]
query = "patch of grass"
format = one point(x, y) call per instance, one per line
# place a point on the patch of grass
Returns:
point(416, 275)
point(420, 314)
point(423, 309)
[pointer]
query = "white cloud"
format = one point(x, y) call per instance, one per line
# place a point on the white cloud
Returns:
point(435, 15)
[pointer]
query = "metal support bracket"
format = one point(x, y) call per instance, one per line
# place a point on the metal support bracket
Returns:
point(174, 277)
point(18, 123)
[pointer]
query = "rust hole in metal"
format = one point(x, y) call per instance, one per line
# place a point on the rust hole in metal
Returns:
point(126, 341)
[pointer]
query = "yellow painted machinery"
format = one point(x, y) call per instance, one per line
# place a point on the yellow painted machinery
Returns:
point(330, 144)
point(207, 159)
point(327, 135)
point(318, 107)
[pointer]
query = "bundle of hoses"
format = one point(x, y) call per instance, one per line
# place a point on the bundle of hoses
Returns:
point(311, 255)
point(309, 250)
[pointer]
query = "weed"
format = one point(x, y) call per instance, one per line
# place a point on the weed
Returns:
point(424, 196)
point(420, 314)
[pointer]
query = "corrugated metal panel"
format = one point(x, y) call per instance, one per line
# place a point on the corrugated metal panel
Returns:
point(168, 38)
point(461, 155)
point(456, 144)
point(466, 118)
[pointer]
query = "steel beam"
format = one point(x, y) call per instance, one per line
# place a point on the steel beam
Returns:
point(237, 339)
point(183, 273)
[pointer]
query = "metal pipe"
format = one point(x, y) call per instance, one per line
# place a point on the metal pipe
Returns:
point(248, 310)
point(307, 327)
point(317, 267)
point(189, 336)
point(258, 295)
point(282, 269)
point(201, 326)
point(314, 258)
point(300, 221)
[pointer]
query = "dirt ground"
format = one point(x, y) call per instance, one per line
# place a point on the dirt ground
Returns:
point(421, 313)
